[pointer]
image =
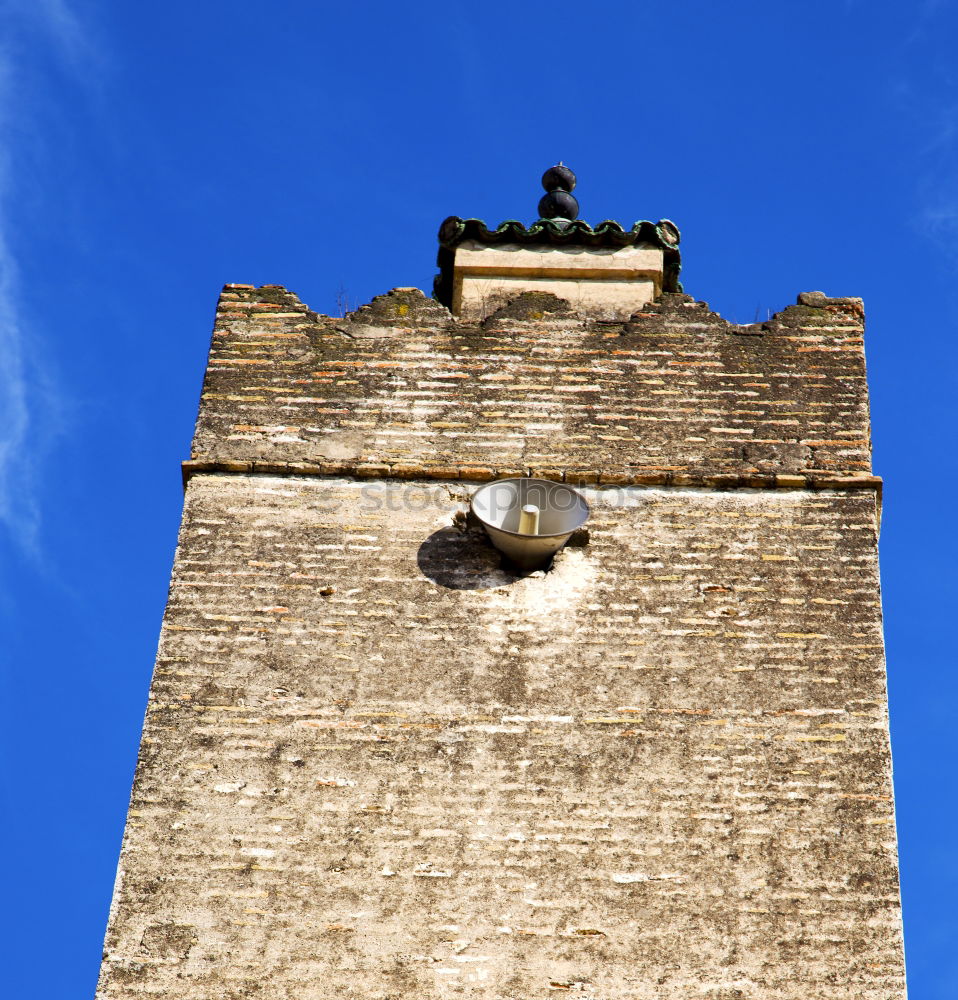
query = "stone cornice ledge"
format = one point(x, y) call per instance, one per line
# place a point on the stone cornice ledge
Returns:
point(574, 477)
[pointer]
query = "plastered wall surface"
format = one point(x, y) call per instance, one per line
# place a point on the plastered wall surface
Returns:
point(376, 764)
point(604, 283)
point(481, 295)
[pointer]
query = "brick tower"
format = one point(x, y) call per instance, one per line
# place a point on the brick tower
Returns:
point(380, 763)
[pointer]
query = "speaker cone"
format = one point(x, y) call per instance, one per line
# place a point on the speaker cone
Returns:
point(529, 520)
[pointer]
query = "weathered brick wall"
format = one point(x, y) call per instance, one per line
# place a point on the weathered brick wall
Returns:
point(378, 765)
point(400, 388)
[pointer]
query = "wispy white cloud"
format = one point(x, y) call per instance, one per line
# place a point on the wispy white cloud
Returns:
point(921, 19)
point(923, 90)
point(915, 23)
point(30, 403)
point(18, 508)
point(58, 21)
point(936, 181)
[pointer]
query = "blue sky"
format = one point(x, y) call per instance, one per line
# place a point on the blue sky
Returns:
point(149, 153)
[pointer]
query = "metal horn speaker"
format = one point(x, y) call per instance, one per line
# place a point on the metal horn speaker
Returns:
point(529, 520)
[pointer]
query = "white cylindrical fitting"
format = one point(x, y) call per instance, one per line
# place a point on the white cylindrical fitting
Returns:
point(529, 520)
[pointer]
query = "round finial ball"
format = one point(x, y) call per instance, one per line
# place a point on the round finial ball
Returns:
point(558, 205)
point(558, 178)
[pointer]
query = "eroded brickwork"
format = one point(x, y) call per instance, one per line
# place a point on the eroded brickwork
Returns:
point(378, 764)
point(401, 388)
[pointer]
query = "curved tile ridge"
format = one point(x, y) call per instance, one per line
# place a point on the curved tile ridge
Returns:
point(560, 232)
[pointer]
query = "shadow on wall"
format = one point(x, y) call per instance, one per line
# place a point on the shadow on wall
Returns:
point(463, 560)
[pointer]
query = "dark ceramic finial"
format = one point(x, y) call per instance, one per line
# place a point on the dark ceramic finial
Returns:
point(558, 203)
